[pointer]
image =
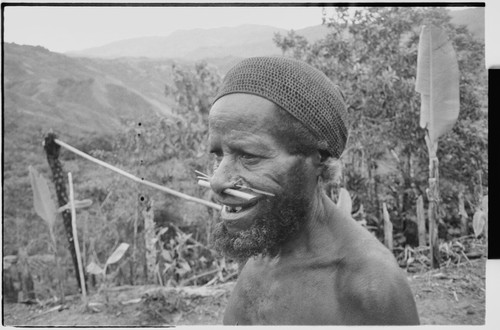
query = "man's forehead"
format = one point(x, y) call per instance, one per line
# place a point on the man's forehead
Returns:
point(245, 110)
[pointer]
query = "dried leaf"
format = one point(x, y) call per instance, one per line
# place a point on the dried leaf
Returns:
point(43, 203)
point(184, 265)
point(117, 254)
point(94, 268)
point(182, 270)
point(162, 231)
point(478, 222)
point(166, 255)
point(166, 267)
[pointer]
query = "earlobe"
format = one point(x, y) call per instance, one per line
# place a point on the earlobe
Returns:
point(317, 161)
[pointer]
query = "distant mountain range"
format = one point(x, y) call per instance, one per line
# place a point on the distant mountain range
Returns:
point(93, 90)
point(240, 41)
point(196, 44)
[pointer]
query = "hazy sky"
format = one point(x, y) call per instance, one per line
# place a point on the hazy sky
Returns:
point(63, 29)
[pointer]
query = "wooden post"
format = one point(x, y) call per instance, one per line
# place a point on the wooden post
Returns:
point(27, 292)
point(421, 222)
point(464, 226)
point(149, 238)
point(135, 247)
point(387, 228)
point(59, 271)
point(433, 195)
point(52, 150)
point(75, 236)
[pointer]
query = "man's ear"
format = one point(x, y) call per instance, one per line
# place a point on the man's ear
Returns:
point(319, 158)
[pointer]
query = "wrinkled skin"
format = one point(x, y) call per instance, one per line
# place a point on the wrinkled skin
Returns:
point(311, 264)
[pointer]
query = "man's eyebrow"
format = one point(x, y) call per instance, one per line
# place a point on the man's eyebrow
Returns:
point(247, 141)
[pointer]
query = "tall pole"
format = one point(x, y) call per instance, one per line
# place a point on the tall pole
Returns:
point(75, 236)
point(52, 150)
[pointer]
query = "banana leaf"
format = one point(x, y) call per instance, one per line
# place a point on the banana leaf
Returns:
point(42, 201)
point(437, 82)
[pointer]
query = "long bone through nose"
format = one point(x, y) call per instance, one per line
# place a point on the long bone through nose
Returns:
point(221, 178)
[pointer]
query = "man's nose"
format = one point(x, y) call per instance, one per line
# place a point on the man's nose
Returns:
point(223, 176)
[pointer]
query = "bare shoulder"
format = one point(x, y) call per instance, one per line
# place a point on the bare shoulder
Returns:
point(376, 290)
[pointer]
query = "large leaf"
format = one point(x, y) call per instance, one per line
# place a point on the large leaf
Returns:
point(94, 268)
point(43, 203)
point(344, 202)
point(117, 254)
point(484, 205)
point(437, 82)
point(478, 222)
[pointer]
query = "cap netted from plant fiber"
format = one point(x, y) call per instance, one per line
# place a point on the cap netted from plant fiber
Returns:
point(303, 91)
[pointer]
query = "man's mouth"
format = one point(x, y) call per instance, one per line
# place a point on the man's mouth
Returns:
point(238, 209)
point(239, 216)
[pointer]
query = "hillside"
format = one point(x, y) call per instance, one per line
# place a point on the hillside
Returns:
point(59, 92)
point(85, 101)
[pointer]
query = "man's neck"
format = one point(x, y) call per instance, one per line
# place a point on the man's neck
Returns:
point(317, 231)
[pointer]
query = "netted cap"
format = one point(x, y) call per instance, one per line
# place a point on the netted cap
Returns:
point(303, 91)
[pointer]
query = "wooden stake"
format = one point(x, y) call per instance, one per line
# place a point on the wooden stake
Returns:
point(387, 228)
point(149, 239)
point(75, 237)
point(421, 222)
point(433, 195)
point(464, 229)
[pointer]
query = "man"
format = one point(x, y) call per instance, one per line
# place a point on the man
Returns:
point(275, 125)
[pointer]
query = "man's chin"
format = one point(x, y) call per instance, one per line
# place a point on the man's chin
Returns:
point(265, 235)
point(241, 244)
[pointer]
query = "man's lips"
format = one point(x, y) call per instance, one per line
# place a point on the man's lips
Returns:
point(240, 216)
point(234, 211)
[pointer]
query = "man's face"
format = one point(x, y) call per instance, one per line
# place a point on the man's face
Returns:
point(242, 138)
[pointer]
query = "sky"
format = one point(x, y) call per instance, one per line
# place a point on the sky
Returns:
point(63, 29)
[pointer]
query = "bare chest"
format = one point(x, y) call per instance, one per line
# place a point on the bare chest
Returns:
point(278, 298)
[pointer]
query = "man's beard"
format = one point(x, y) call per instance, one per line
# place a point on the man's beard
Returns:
point(280, 220)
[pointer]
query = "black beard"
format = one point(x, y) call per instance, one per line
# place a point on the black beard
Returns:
point(283, 218)
point(282, 221)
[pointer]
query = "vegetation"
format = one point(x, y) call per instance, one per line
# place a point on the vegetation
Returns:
point(386, 160)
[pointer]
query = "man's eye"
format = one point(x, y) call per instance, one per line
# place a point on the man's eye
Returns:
point(249, 158)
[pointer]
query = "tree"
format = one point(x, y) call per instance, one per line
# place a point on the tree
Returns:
point(371, 54)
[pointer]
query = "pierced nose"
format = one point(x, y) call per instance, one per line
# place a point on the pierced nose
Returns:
point(236, 183)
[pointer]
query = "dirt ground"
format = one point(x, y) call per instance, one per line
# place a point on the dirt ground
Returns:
point(454, 295)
